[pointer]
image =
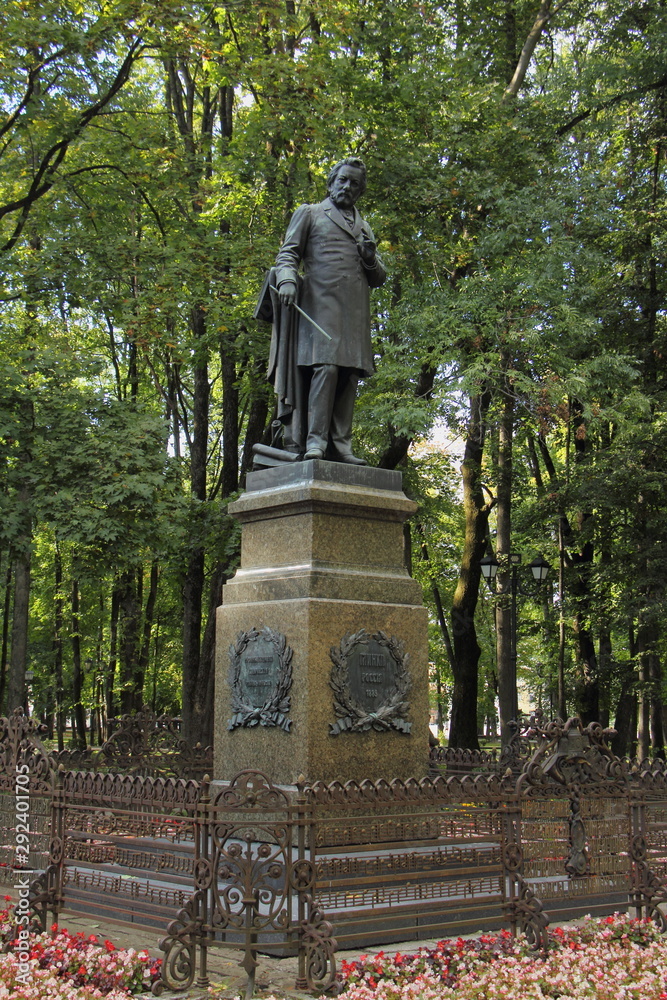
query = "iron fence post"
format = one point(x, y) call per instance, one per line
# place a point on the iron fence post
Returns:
point(203, 877)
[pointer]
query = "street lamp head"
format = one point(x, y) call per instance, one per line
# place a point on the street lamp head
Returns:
point(540, 569)
point(489, 567)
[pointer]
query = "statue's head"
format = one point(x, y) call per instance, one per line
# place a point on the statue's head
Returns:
point(347, 181)
point(349, 161)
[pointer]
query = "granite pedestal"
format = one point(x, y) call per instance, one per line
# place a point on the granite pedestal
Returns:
point(322, 571)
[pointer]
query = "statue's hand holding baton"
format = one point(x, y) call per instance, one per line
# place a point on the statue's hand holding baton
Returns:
point(287, 296)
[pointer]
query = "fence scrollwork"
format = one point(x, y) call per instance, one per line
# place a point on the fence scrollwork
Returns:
point(527, 913)
point(184, 936)
point(252, 866)
point(318, 969)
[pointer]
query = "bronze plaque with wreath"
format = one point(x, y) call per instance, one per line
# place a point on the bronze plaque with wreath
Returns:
point(260, 676)
point(370, 681)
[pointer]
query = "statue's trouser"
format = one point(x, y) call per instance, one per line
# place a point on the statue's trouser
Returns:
point(330, 408)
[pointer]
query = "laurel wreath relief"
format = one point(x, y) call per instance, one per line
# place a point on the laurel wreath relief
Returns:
point(354, 717)
point(274, 711)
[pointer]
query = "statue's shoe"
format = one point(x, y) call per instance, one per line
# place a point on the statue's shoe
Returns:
point(313, 453)
point(350, 459)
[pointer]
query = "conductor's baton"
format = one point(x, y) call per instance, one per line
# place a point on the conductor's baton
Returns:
point(305, 314)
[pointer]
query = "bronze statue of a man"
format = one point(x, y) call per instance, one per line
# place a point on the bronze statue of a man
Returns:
point(321, 343)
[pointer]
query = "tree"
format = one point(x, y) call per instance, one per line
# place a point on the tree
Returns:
point(152, 158)
point(64, 64)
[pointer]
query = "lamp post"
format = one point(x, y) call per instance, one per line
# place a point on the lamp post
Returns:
point(507, 673)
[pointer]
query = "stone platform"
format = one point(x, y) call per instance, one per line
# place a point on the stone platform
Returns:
point(322, 655)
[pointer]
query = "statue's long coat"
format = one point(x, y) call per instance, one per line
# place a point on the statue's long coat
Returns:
point(334, 289)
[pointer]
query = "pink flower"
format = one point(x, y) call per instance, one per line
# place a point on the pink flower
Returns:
point(611, 959)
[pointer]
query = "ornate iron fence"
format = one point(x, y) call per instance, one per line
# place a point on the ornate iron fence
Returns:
point(145, 744)
point(28, 854)
point(409, 860)
point(524, 739)
point(254, 882)
point(562, 828)
point(127, 844)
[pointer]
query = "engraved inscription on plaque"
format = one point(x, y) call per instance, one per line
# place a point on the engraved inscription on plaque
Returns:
point(259, 672)
point(260, 676)
point(370, 670)
point(370, 681)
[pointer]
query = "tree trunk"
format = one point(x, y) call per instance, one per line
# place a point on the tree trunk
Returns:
point(58, 602)
point(77, 672)
point(204, 693)
point(605, 661)
point(587, 691)
point(506, 578)
point(546, 12)
point(563, 530)
point(446, 638)
point(149, 614)
point(156, 662)
point(195, 670)
point(397, 449)
point(230, 424)
point(129, 615)
point(99, 706)
point(110, 672)
point(463, 727)
point(625, 716)
point(650, 673)
point(256, 422)
point(19, 652)
point(5, 634)
point(16, 689)
point(657, 732)
point(644, 706)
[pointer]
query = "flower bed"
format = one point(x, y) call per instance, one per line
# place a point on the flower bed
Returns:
point(610, 959)
point(70, 966)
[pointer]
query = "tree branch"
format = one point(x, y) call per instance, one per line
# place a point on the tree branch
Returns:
point(128, 178)
point(545, 15)
point(628, 95)
point(45, 176)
